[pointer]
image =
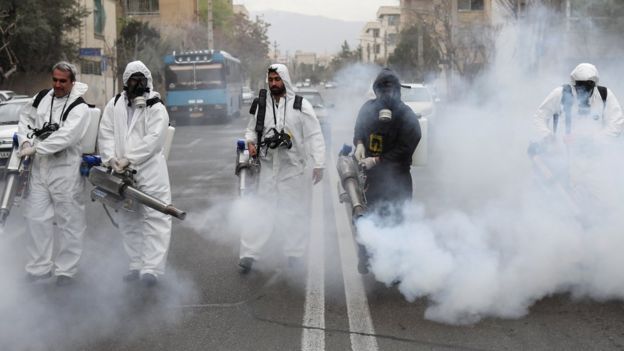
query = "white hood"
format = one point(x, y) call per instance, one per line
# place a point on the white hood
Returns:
point(78, 90)
point(584, 71)
point(136, 67)
point(282, 70)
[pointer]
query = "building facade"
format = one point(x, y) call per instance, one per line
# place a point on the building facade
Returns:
point(379, 38)
point(97, 56)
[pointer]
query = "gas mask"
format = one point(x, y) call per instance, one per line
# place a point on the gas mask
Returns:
point(136, 87)
point(584, 90)
point(385, 115)
point(387, 99)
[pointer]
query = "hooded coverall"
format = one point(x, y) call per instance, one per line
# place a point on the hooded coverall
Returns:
point(56, 187)
point(282, 187)
point(138, 134)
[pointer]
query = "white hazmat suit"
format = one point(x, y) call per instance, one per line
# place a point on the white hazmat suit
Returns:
point(589, 139)
point(56, 186)
point(138, 135)
point(283, 188)
point(604, 119)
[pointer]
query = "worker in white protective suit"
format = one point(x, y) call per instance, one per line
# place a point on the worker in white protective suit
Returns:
point(50, 131)
point(587, 118)
point(132, 135)
point(290, 138)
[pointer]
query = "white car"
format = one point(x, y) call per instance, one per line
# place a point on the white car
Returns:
point(9, 117)
point(248, 95)
point(419, 98)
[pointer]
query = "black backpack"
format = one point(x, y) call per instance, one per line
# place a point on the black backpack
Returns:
point(76, 102)
point(259, 104)
point(566, 101)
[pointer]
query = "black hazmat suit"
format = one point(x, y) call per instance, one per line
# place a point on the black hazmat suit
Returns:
point(393, 141)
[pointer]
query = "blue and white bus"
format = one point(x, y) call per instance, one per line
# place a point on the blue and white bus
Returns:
point(203, 85)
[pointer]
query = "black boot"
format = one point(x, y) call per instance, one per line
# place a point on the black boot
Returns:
point(244, 265)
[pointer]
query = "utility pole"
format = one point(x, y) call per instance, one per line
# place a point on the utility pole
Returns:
point(210, 24)
point(275, 50)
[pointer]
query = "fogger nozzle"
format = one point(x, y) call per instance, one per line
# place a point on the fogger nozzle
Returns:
point(349, 178)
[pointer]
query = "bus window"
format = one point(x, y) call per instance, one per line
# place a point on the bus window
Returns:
point(209, 76)
point(179, 77)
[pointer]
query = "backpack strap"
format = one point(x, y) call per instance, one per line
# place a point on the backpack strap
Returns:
point(116, 98)
point(76, 102)
point(566, 101)
point(153, 101)
point(603, 93)
point(39, 97)
point(261, 106)
point(298, 102)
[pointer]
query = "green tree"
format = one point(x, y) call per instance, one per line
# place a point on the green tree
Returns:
point(415, 57)
point(345, 57)
point(34, 34)
point(249, 42)
point(137, 40)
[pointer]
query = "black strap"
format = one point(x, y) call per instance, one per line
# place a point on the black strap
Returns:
point(567, 99)
point(76, 102)
point(261, 113)
point(39, 97)
point(254, 106)
point(603, 93)
point(116, 98)
point(298, 102)
point(153, 101)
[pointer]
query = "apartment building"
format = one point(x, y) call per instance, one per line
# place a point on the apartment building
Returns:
point(379, 38)
point(97, 56)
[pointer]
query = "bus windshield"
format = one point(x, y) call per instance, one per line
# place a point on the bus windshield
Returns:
point(202, 76)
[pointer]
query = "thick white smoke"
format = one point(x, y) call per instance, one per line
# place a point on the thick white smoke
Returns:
point(485, 237)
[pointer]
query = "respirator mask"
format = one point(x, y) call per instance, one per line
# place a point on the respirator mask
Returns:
point(136, 87)
point(584, 90)
point(387, 99)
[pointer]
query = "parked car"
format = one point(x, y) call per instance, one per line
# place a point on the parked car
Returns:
point(320, 108)
point(420, 99)
point(6, 95)
point(9, 117)
point(330, 85)
point(248, 95)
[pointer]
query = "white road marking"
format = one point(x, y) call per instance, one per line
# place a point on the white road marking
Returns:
point(360, 321)
point(314, 313)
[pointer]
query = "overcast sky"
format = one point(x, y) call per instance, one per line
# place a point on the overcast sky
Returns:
point(348, 10)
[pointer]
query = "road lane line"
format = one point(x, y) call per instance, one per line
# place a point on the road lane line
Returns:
point(189, 145)
point(314, 313)
point(360, 320)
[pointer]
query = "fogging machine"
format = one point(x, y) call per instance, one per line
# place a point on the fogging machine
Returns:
point(353, 180)
point(118, 190)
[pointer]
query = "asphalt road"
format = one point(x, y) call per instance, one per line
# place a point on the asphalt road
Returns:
point(203, 303)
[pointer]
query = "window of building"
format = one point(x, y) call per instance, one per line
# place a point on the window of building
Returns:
point(141, 7)
point(393, 20)
point(470, 5)
point(392, 38)
point(375, 33)
point(596, 8)
point(90, 67)
point(377, 48)
point(99, 17)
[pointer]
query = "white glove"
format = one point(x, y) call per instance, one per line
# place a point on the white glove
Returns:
point(360, 152)
point(119, 165)
point(26, 150)
point(368, 162)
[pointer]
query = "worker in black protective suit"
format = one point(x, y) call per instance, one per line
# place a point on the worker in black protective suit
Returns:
point(386, 135)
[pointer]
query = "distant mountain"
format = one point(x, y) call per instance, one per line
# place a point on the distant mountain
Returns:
point(322, 35)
